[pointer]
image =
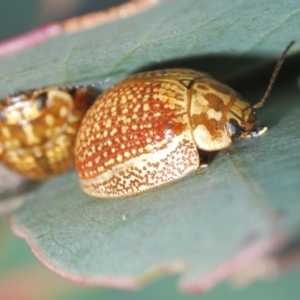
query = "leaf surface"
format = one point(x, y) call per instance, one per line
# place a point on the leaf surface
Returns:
point(209, 224)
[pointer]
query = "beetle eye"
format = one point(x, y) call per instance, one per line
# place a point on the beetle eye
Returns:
point(41, 100)
point(234, 128)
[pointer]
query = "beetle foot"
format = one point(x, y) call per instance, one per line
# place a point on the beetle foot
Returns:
point(203, 165)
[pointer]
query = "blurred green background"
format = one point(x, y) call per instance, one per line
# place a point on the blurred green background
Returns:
point(17, 17)
point(21, 275)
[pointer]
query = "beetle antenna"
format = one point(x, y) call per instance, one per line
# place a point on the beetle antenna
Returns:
point(273, 76)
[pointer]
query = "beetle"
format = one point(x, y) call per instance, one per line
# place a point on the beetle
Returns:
point(151, 128)
point(38, 129)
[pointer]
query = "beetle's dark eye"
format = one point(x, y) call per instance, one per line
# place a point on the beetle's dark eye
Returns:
point(234, 128)
point(41, 100)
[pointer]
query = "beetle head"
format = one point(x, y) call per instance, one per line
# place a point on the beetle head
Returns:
point(240, 119)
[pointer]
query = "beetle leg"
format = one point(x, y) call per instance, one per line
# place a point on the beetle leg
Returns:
point(259, 130)
point(205, 158)
point(255, 131)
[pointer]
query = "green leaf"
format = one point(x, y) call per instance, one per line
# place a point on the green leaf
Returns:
point(209, 224)
point(171, 31)
point(35, 282)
